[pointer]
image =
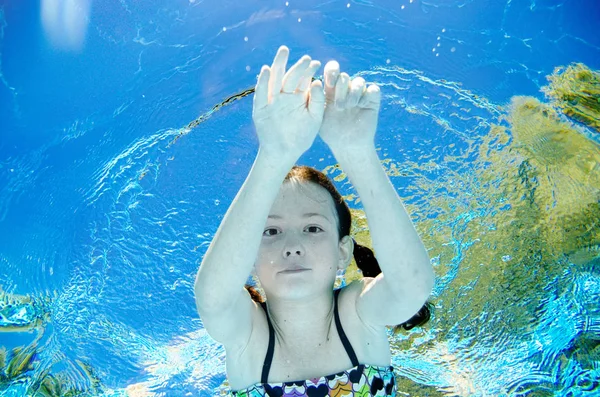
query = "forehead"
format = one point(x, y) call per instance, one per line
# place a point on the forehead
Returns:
point(303, 197)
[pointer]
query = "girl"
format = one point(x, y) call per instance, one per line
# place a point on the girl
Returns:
point(292, 229)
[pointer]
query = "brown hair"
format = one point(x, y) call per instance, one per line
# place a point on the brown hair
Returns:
point(364, 257)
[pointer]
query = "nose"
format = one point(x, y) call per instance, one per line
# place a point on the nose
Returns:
point(293, 247)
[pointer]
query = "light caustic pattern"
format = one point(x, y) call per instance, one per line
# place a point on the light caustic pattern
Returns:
point(505, 199)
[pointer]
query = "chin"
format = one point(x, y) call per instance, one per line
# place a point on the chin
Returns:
point(297, 292)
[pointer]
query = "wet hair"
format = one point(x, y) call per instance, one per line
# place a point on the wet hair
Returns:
point(364, 257)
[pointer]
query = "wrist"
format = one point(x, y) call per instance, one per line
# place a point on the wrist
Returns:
point(276, 160)
point(361, 166)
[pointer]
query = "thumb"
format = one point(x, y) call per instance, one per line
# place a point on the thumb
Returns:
point(316, 100)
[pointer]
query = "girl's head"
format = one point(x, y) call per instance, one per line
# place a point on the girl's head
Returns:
point(309, 227)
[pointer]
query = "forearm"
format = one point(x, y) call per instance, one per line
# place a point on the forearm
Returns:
point(400, 252)
point(231, 255)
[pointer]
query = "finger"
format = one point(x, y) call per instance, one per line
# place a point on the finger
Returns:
point(316, 100)
point(261, 92)
point(294, 75)
point(331, 74)
point(371, 98)
point(341, 90)
point(357, 88)
point(278, 71)
point(308, 75)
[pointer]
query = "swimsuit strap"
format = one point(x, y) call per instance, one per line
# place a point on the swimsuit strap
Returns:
point(270, 349)
point(342, 334)
point(269, 357)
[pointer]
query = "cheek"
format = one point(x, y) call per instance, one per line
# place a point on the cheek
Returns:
point(261, 271)
point(265, 260)
point(266, 253)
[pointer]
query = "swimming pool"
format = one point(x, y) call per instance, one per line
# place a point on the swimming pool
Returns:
point(110, 193)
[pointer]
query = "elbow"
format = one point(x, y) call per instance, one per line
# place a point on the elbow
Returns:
point(198, 298)
point(426, 281)
point(214, 294)
point(205, 303)
point(201, 292)
point(197, 285)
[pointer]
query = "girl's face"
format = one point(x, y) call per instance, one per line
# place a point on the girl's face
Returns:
point(300, 250)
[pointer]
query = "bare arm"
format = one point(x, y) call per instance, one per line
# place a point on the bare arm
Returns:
point(348, 128)
point(400, 252)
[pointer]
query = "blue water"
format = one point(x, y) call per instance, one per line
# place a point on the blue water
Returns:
point(106, 220)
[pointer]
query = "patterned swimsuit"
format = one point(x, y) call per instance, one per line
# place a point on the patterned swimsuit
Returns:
point(360, 381)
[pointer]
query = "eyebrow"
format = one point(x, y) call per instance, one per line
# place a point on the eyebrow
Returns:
point(307, 215)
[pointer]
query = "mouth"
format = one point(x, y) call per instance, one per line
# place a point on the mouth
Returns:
point(294, 269)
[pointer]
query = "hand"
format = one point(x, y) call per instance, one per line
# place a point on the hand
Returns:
point(288, 107)
point(351, 111)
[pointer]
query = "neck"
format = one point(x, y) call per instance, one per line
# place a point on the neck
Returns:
point(307, 320)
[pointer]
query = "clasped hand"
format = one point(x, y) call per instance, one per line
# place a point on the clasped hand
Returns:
point(290, 109)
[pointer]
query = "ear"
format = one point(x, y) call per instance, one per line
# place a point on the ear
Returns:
point(346, 249)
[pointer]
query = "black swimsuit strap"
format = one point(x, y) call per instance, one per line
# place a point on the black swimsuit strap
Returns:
point(269, 357)
point(342, 334)
point(270, 349)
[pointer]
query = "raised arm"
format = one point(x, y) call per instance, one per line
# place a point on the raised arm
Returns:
point(287, 114)
point(349, 128)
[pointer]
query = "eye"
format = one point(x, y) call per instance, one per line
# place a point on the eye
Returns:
point(315, 227)
point(267, 232)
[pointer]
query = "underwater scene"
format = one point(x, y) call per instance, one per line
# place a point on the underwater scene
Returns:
point(126, 132)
